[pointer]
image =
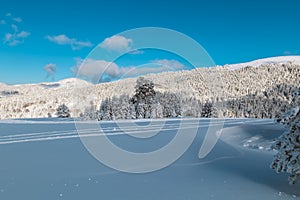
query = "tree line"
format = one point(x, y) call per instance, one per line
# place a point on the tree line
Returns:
point(149, 103)
point(145, 103)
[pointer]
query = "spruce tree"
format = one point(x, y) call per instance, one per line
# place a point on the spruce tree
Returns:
point(63, 111)
point(288, 145)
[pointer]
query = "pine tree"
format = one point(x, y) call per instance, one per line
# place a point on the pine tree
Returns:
point(63, 111)
point(190, 107)
point(124, 106)
point(131, 114)
point(90, 112)
point(288, 145)
point(157, 111)
point(209, 110)
point(106, 109)
point(144, 98)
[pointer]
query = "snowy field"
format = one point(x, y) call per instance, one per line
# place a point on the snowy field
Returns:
point(45, 159)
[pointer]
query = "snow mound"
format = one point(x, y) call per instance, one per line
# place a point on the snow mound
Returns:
point(73, 81)
point(256, 63)
point(250, 136)
point(65, 83)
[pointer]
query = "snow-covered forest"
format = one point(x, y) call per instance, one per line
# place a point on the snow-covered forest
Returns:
point(145, 103)
point(260, 92)
point(148, 103)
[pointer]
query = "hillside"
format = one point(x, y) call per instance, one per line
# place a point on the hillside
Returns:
point(226, 82)
point(279, 59)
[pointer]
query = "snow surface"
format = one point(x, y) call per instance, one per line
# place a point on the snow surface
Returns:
point(257, 63)
point(45, 159)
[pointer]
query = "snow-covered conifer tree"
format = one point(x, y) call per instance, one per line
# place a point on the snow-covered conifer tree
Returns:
point(63, 111)
point(288, 145)
point(131, 112)
point(89, 114)
point(124, 106)
point(105, 109)
point(144, 98)
point(190, 107)
point(209, 110)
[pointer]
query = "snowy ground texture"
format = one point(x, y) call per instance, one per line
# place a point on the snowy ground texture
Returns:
point(45, 159)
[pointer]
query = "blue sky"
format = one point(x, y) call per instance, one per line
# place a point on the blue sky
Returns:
point(55, 34)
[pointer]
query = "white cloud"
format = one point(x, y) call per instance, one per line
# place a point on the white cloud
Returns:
point(60, 39)
point(65, 40)
point(50, 69)
point(136, 52)
point(144, 69)
point(116, 43)
point(15, 38)
point(23, 34)
point(155, 66)
point(8, 36)
point(14, 27)
point(290, 52)
point(171, 64)
point(17, 19)
point(100, 70)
